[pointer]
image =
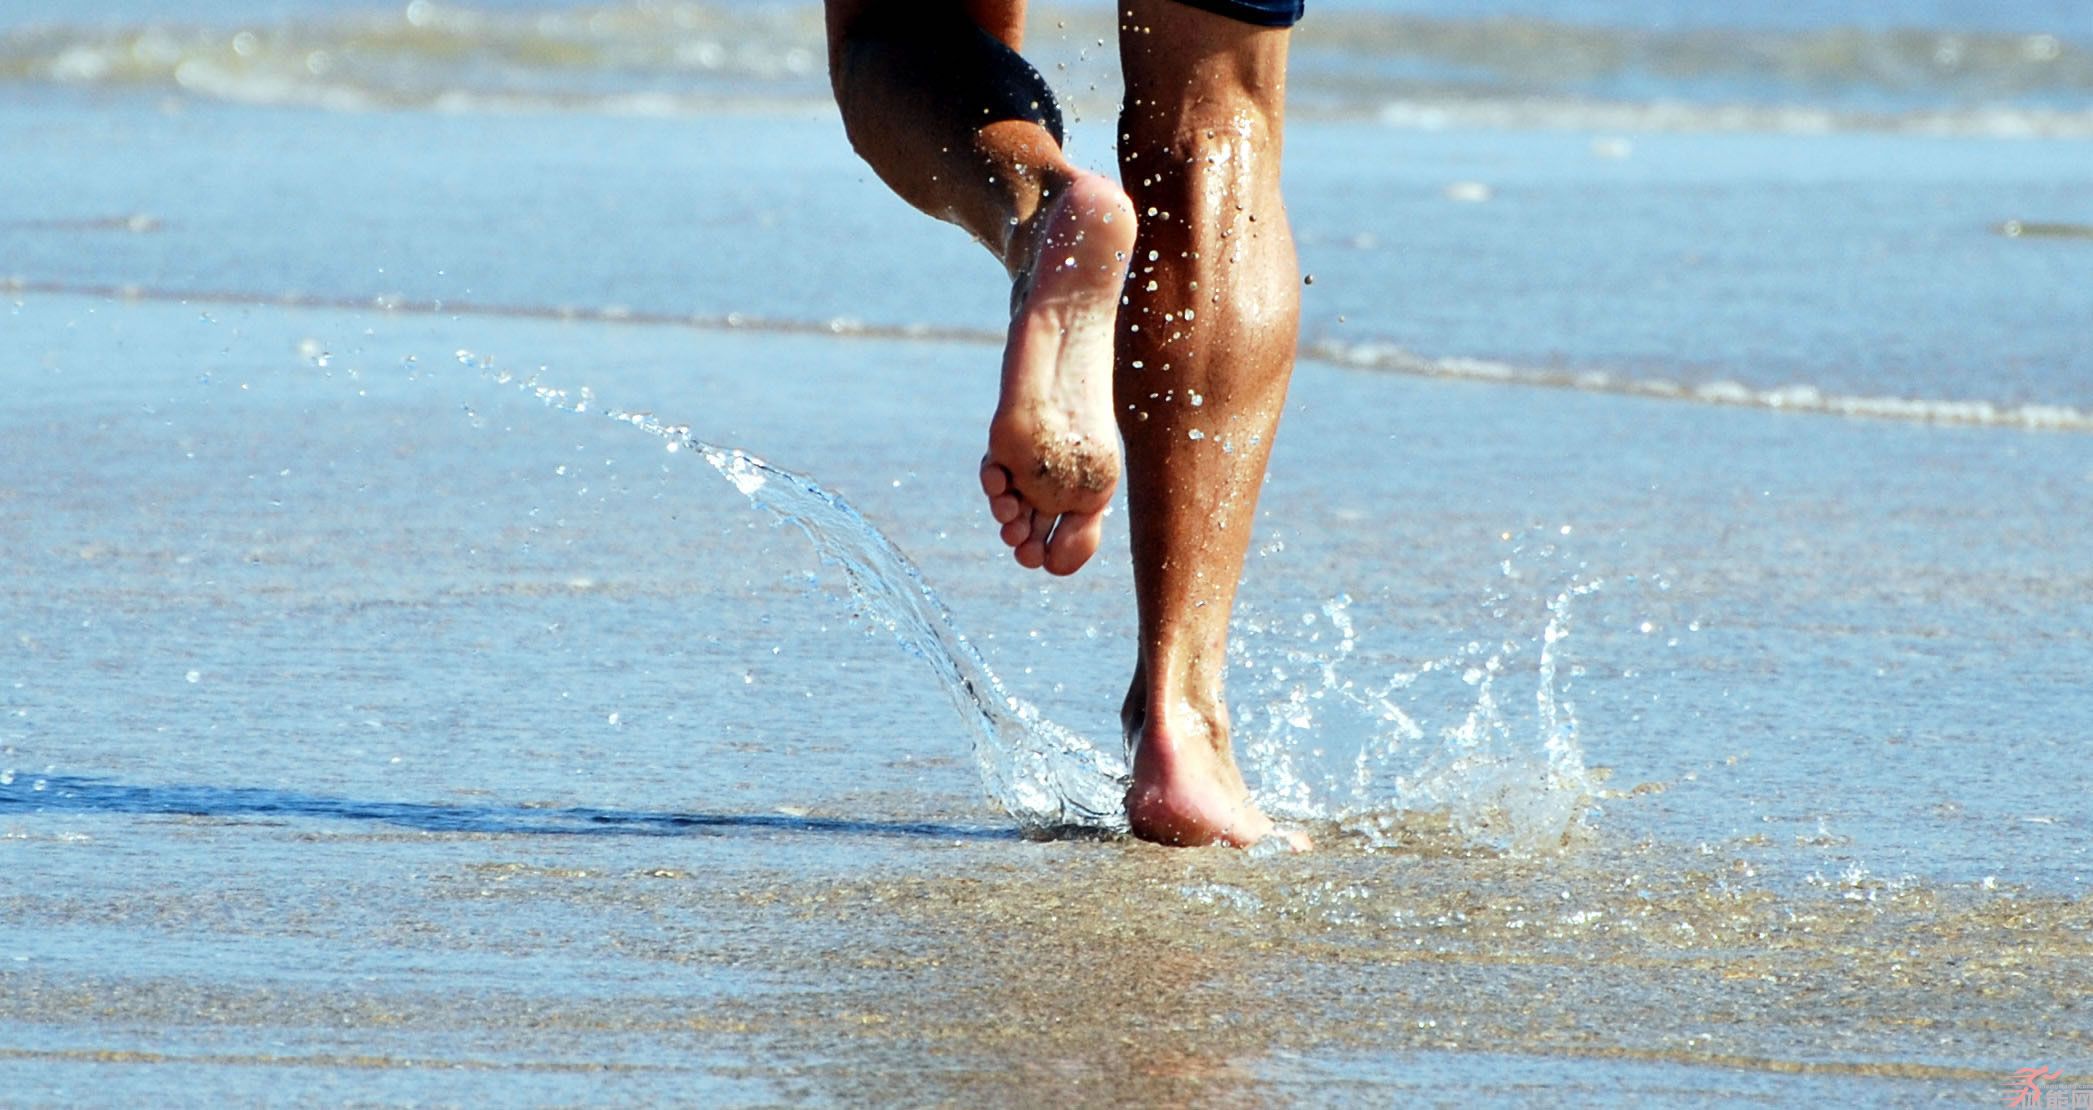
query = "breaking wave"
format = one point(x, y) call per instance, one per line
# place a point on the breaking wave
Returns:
point(670, 59)
point(1379, 357)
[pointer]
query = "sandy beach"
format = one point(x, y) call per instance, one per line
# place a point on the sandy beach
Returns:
point(1668, 612)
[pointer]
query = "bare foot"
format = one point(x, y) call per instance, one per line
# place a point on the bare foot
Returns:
point(1187, 790)
point(1053, 448)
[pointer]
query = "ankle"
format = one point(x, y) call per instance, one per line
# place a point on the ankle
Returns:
point(1024, 232)
point(1181, 732)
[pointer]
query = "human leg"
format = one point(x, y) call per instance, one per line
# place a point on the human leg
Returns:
point(1205, 351)
point(938, 102)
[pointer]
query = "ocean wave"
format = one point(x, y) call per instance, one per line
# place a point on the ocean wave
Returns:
point(1379, 357)
point(1788, 398)
point(1988, 122)
point(653, 58)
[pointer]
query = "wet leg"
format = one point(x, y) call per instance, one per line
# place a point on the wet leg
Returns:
point(1206, 343)
point(938, 102)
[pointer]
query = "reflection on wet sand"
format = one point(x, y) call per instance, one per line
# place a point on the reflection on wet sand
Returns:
point(1142, 975)
point(778, 963)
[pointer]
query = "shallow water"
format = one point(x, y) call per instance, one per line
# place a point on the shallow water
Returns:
point(1680, 269)
point(373, 730)
point(425, 758)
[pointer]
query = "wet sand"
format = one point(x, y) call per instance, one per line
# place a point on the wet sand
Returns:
point(970, 969)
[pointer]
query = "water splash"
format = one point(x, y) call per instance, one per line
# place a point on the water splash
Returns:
point(1041, 773)
point(1044, 775)
point(1445, 736)
point(1436, 738)
point(1504, 778)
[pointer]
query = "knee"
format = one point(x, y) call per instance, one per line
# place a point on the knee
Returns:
point(891, 58)
point(851, 25)
point(860, 32)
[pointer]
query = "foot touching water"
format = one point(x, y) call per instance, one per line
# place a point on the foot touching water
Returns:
point(1187, 790)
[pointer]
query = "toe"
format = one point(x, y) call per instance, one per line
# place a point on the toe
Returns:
point(994, 479)
point(1005, 507)
point(1076, 539)
point(1018, 528)
point(1031, 552)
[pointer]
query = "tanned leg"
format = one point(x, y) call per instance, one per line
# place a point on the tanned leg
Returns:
point(1206, 345)
point(936, 99)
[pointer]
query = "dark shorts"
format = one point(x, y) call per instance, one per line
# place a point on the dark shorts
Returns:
point(1263, 13)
